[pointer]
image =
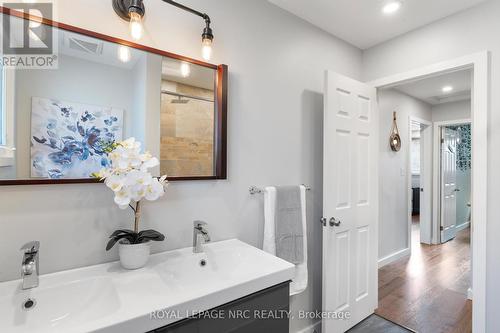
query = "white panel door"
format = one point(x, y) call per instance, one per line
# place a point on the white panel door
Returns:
point(350, 204)
point(448, 184)
point(426, 184)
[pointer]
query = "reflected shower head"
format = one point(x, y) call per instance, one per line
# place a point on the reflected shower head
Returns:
point(180, 100)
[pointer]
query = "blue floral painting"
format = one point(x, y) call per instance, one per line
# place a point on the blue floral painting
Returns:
point(68, 140)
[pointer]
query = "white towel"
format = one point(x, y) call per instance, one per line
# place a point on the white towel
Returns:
point(299, 282)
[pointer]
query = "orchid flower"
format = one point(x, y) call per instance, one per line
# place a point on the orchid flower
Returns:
point(128, 174)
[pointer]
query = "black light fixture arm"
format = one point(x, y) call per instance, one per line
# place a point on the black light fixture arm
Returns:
point(134, 10)
point(190, 10)
point(207, 31)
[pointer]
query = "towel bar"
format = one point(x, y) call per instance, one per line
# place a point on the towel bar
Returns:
point(256, 190)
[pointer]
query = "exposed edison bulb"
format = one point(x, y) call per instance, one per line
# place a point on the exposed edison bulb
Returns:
point(206, 48)
point(185, 69)
point(124, 53)
point(136, 28)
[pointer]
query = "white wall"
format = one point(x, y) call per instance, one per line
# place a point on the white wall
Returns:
point(145, 125)
point(276, 64)
point(451, 111)
point(393, 215)
point(464, 33)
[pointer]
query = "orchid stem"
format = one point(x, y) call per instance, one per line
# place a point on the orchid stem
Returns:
point(137, 211)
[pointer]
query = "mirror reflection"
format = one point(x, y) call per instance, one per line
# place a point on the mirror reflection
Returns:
point(57, 123)
point(187, 119)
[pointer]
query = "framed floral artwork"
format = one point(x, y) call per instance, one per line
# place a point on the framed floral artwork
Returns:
point(68, 140)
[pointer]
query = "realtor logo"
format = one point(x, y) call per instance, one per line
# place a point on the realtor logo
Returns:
point(28, 44)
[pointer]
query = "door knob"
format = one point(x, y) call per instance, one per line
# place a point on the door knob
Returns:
point(334, 222)
point(323, 221)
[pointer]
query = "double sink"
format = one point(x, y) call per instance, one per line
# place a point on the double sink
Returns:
point(173, 285)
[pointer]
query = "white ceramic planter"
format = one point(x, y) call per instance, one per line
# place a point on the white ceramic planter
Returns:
point(134, 256)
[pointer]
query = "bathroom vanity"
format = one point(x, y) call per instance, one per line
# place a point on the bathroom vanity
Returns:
point(263, 311)
point(178, 291)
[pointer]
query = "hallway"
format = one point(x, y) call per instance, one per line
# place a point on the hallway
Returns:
point(427, 292)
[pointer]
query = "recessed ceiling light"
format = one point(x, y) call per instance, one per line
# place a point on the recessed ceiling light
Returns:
point(447, 89)
point(391, 7)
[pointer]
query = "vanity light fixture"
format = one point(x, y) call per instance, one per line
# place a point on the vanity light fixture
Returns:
point(391, 7)
point(134, 10)
point(124, 53)
point(447, 89)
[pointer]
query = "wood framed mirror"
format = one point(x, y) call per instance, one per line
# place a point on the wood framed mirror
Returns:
point(54, 118)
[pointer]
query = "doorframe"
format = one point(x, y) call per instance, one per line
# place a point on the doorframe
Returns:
point(480, 64)
point(436, 171)
point(424, 176)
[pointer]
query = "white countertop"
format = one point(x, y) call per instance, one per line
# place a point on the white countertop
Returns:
point(107, 298)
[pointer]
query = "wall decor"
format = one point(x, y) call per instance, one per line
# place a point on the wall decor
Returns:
point(395, 138)
point(68, 140)
point(464, 147)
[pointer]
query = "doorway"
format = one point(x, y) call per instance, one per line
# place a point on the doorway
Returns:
point(453, 145)
point(420, 181)
point(427, 289)
point(351, 119)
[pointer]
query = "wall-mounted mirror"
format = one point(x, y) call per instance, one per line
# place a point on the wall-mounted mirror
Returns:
point(56, 120)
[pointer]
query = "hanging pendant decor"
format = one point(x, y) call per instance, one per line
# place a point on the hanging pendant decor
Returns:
point(395, 139)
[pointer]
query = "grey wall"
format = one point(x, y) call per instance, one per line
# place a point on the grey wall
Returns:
point(451, 111)
point(467, 32)
point(276, 64)
point(393, 191)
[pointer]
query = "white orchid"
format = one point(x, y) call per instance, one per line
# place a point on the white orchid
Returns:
point(128, 175)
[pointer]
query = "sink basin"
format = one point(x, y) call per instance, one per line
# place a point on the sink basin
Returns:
point(107, 298)
point(57, 307)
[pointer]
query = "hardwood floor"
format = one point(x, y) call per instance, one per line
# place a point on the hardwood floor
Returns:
point(427, 292)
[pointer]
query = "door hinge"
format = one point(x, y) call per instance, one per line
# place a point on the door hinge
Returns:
point(442, 140)
point(441, 228)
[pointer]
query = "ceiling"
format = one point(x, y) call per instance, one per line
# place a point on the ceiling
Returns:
point(430, 89)
point(362, 23)
point(199, 76)
point(95, 50)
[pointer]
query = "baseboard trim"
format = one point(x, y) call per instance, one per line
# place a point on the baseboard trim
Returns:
point(469, 294)
point(393, 257)
point(462, 226)
point(314, 328)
